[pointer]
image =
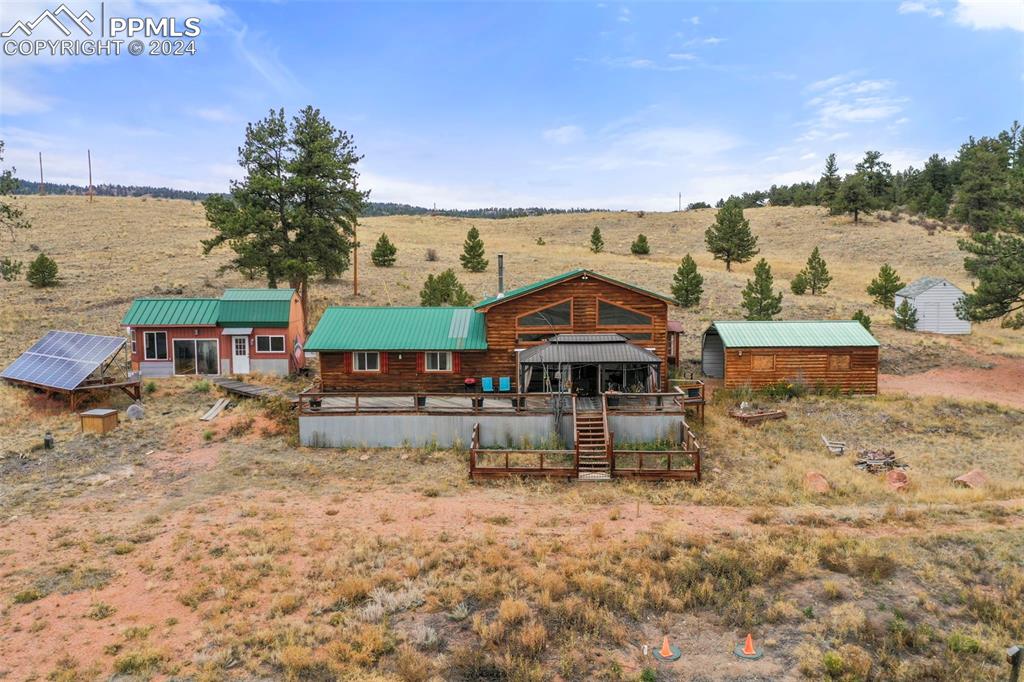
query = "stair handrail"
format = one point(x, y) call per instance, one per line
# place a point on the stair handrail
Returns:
point(575, 436)
point(609, 451)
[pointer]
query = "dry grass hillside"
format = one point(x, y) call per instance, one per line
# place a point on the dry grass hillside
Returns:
point(177, 549)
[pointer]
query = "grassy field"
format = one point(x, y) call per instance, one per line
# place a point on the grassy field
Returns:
point(173, 548)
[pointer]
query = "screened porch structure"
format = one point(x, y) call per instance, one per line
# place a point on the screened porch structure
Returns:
point(589, 364)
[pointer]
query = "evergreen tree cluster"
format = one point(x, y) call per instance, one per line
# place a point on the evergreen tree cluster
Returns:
point(444, 290)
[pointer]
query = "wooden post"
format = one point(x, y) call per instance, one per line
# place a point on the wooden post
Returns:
point(1015, 657)
point(42, 186)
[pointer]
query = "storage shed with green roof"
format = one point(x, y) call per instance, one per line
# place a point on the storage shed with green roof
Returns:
point(830, 354)
point(244, 331)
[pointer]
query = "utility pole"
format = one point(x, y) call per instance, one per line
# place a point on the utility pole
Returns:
point(680, 201)
point(42, 187)
point(91, 190)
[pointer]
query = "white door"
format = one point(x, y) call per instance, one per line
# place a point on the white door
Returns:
point(240, 354)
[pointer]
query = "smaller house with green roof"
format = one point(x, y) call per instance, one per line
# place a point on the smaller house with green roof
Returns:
point(244, 331)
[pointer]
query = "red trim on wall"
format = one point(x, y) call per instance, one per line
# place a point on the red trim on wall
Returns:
point(421, 363)
point(383, 361)
point(457, 363)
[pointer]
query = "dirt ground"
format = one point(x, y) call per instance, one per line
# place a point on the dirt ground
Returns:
point(994, 378)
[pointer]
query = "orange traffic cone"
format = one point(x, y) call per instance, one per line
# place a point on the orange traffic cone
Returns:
point(667, 651)
point(747, 650)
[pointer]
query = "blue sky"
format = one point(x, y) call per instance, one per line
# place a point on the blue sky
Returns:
point(604, 105)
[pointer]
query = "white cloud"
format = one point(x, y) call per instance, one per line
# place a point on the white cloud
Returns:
point(695, 20)
point(564, 134)
point(685, 56)
point(990, 14)
point(625, 15)
point(928, 7)
point(842, 100)
point(215, 115)
point(17, 101)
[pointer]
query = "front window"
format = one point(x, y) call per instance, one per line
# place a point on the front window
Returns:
point(366, 361)
point(270, 344)
point(558, 315)
point(611, 315)
point(439, 362)
point(156, 345)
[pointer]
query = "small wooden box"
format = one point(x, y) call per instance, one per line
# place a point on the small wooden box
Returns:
point(99, 420)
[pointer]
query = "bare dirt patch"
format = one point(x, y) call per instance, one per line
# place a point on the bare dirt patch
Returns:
point(992, 378)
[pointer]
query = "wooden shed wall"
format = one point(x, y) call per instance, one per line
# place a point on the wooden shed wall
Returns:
point(852, 370)
point(403, 374)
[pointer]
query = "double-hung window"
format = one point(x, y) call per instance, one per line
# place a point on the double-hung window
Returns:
point(366, 361)
point(155, 345)
point(439, 361)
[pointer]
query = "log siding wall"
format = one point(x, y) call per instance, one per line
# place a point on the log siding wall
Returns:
point(812, 366)
point(499, 360)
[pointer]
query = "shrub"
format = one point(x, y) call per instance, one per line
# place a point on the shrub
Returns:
point(42, 272)
point(959, 643)
point(384, 253)
point(444, 289)
point(863, 318)
point(29, 595)
point(149, 388)
point(799, 284)
point(101, 610)
point(640, 247)
point(431, 255)
point(201, 386)
point(10, 269)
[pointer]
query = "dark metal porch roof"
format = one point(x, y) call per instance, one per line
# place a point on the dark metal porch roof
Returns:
point(587, 349)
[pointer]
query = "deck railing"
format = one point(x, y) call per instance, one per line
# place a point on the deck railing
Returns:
point(320, 403)
point(683, 463)
point(642, 403)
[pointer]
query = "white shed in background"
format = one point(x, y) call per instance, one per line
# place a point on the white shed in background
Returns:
point(935, 300)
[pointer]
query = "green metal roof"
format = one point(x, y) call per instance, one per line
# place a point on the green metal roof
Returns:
point(256, 307)
point(520, 291)
point(172, 311)
point(376, 328)
point(257, 295)
point(793, 334)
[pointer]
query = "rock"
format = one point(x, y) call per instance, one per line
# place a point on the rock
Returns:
point(363, 458)
point(975, 478)
point(816, 483)
point(897, 480)
point(135, 411)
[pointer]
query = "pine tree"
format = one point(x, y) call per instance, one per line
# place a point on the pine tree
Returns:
point(905, 316)
point(729, 239)
point(596, 241)
point(384, 253)
point(293, 216)
point(936, 207)
point(863, 318)
point(853, 197)
point(473, 252)
point(687, 283)
point(759, 299)
point(11, 218)
point(997, 260)
point(640, 247)
point(830, 181)
point(884, 287)
point(42, 272)
point(10, 269)
point(798, 285)
point(444, 290)
point(877, 176)
point(816, 272)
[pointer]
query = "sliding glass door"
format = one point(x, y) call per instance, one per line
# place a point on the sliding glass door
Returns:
point(196, 356)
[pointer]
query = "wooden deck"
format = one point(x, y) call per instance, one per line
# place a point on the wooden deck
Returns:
point(249, 390)
point(683, 463)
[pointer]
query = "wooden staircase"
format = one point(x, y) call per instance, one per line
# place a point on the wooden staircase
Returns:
point(592, 445)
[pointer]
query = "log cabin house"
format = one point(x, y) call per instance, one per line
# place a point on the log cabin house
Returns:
point(579, 332)
point(243, 331)
point(837, 354)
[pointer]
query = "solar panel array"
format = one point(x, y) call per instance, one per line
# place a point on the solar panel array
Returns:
point(62, 359)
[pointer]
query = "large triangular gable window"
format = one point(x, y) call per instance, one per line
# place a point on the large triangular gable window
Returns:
point(558, 315)
point(611, 315)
